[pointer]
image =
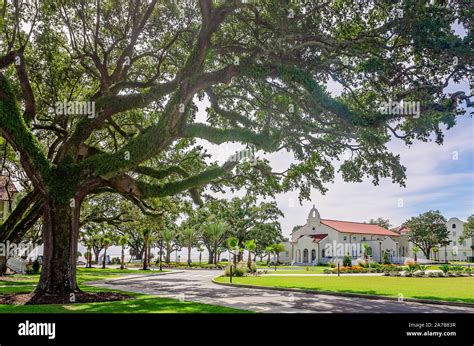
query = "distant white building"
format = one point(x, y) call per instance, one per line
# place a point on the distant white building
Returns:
point(321, 240)
point(455, 250)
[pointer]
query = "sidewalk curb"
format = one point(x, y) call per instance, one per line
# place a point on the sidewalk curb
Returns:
point(132, 276)
point(345, 294)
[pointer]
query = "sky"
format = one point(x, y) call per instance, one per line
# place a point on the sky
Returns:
point(439, 177)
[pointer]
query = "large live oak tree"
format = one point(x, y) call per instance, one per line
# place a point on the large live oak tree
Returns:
point(427, 231)
point(262, 66)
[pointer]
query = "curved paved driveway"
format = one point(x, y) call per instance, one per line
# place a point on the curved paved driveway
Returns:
point(197, 286)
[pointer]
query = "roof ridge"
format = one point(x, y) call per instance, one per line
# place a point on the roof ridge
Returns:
point(362, 223)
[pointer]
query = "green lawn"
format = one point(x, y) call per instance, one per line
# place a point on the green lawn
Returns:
point(278, 267)
point(297, 270)
point(460, 289)
point(140, 304)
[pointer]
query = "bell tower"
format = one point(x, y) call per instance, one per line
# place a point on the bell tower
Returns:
point(314, 219)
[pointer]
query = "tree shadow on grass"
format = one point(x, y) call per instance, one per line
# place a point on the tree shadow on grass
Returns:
point(274, 301)
point(139, 304)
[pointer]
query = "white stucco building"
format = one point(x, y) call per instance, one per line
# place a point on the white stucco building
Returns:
point(455, 250)
point(321, 240)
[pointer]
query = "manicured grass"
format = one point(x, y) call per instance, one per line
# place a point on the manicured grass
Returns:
point(140, 304)
point(281, 267)
point(298, 270)
point(460, 289)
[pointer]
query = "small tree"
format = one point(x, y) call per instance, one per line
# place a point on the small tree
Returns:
point(427, 231)
point(200, 249)
point(233, 245)
point(188, 238)
point(105, 243)
point(89, 244)
point(250, 246)
point(123, 240)
point(146, 234)
point(346, 261)
point(268, 251)
point(213, 236)
point(415, 249)
point(277, 248)
point(436, 253)
point(468, 231)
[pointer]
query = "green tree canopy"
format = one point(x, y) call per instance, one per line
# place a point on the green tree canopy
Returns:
point(101, 96)
point(428, 230)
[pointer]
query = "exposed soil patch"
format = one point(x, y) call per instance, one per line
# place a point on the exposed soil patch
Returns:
point(80, 297)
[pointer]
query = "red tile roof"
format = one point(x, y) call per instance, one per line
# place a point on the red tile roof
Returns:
point(3, 192)
point(318, 237)
point(358, 228)
point(401, 230)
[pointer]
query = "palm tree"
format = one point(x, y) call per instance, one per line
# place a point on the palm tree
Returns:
point(89, 244)
point(200, 249)
point(250, 246)
point(168, 236)
point(233, 245)
point(189, 238)
point(146, 234)
point(277, 248)
point(435, 253)
point(105, 243)
point(214, 232)
point(269, 251)
point(415, 249)
point(123, 240)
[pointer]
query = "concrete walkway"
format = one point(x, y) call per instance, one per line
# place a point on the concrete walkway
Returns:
point(197, 286)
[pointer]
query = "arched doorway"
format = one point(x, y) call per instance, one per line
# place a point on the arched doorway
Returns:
point(298, 256)
point(305, 256)
point(313, 255)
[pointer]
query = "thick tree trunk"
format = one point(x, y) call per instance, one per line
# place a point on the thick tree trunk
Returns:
point(145, 258)
point(148, 256)
point(427, 253)
point(96, 256)
point(60, 239)
point(104, 259)
point(189, 256)
point(3, 265)
point(211, 257)
point(122, 260)
point(89, 258)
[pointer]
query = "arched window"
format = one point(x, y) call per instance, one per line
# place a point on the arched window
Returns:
point(313, 255)
point(305, 256)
